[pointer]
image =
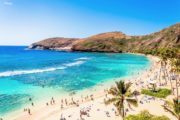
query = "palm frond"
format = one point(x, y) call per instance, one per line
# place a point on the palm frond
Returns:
point(120, 106)
point(176, 106)
point(121, 87)
point(170, 111)
point(113, 91)
point(170, 104)
point(132, 101)
point(111, 100)
point(128, 85)
point(129, 93)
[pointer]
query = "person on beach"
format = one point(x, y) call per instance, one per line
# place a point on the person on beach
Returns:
point(72, 99)
point(66, 101)
point(30, 99)
point(81, 115)
point(52, 101)
point(106, 95)
point(62, 106)
point(25, 109)
point(61, 101)
point(47, 104)
point(91, 97)
point(62, 118)
point(29, 111)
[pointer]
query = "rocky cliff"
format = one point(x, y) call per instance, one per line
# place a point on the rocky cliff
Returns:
point(58, 43)
point(115, 41)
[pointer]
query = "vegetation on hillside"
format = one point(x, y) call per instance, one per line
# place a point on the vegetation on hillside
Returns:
point(119, 42)
point(172, 54)
point(164, 53)
point(105, 45)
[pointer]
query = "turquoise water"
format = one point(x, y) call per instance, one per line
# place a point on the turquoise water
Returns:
point(23, 73)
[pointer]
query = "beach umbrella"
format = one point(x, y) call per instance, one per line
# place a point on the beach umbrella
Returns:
point(152, 81)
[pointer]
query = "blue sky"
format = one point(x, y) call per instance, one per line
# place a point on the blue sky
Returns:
point(23, 22)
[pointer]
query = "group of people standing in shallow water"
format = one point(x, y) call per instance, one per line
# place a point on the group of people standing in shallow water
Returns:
point(52, 101)
point(28, 110)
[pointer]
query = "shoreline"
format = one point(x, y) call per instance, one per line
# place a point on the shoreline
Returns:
point(96, 90)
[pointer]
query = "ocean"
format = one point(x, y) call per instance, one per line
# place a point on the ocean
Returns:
point(42, 73)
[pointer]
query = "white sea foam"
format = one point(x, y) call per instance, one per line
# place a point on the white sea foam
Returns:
point(74, 63)
point(83, 58)
point(20, 72)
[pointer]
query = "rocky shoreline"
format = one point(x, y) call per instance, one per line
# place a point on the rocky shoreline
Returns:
point(58, 43)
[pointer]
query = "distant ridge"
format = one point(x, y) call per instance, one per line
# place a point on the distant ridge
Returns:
point(115, 41)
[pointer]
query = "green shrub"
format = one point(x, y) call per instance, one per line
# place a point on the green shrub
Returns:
point(145, 115)
point(161, 93)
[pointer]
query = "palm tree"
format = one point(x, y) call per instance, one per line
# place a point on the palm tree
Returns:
point(170, 79)
point(167, 54)
point(175, 64)
point(173, 108)
point(121, 93)
point(176, 69)
point(164, 67)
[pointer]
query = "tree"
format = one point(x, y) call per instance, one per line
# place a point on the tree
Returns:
point(172, 55)
point(176, 69)
point(121, 93)
point(164, 57)
point(173, 108)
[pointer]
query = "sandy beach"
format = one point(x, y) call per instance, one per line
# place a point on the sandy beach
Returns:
point(91, 101)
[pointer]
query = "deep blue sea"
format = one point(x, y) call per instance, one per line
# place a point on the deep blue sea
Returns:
point(33, 73)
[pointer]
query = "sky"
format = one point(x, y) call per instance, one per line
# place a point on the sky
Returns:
point(23, 22)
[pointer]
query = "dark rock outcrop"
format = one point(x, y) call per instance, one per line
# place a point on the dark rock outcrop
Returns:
point(58, 43)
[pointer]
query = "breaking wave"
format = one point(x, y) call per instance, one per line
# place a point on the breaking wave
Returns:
point(74, 63)
point(21, 72)
point(83, 58)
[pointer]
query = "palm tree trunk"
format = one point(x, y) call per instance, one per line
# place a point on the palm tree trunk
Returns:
point(171, 86)
point(123, 115)
point(123, 112)
point(170, 79)
point(177, 91)
point(164, 72)
point(160, 76)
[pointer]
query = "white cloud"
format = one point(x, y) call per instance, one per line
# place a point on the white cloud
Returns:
point(8, 3)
